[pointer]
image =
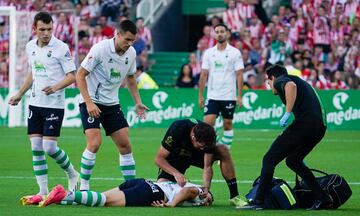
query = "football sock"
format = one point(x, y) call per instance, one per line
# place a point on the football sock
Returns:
point(127, 166)
point(87, 166)
point(227, 138)
point(39, 164)
point(88, 198)
point(232, 187)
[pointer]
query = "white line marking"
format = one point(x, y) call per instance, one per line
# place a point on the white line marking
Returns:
point(121, 179)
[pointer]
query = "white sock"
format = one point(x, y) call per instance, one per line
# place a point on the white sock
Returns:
point(39, 164)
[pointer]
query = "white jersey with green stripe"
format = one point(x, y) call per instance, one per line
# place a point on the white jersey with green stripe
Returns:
point(107, 70)
point(49, 65)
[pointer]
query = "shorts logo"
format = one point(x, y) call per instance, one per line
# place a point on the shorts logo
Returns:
point(52, 117)
point(90, 120)
point(230, 106)
point(205, 109)
point(30, 114)
point(169, 140)
point(51, 127)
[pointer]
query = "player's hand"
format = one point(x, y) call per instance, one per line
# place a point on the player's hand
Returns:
point(141, 110)
point(160, 203)
point(180, 179)
point(48, 90)
point(201, 102)
point(239, 101)
point(14, 100)
point(284, 119)
point(93, 110)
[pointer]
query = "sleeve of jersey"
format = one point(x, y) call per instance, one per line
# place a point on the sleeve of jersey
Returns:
point(66, 61)
point(132, 68)
point(205, 61)
point(239, 63)
point(280, 84)
point(91, 59)
point(170, 138)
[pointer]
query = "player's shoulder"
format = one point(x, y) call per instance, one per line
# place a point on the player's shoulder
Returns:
point(31, 43)
point(131, 51)
point(232, 49)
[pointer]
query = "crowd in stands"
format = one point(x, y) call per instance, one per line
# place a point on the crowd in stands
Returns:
point(317, 40)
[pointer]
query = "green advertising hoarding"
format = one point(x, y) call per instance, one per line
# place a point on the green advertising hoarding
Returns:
point(261, 109)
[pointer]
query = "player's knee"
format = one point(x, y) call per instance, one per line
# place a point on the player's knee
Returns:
point(222, 152)
point(293, 163)
point(268, 162)
point(50, 147)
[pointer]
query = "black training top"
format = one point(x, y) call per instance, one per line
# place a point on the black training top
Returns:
point(308, 106)
point(177, 138)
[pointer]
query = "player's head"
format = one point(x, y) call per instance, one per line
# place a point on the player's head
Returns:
point(273, 72)
point(221, 33)
point(125, 35)
point(203, 136)
point(42, 26)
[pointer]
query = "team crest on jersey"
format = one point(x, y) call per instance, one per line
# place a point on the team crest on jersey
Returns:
point(169, 140)
point(33, 53)
point(90, 120)
point(111, 61)
point(49, 53)
point(126, 60)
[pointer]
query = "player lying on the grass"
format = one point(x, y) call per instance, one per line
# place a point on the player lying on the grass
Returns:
point(134, 192)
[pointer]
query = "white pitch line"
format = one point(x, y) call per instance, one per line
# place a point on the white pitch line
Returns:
point(121, 179)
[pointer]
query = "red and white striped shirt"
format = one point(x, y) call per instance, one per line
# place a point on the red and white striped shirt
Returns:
point(145, 34)
point(245, 10)
point(233, 19)
point(321, 30)
point(96, 39)
point(336, 36)
point(339, 85)
point(63, 32)
point(350, 9)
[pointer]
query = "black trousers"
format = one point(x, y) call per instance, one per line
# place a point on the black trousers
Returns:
point(294, 144)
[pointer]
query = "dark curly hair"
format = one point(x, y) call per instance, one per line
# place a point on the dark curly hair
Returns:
point(205, 133)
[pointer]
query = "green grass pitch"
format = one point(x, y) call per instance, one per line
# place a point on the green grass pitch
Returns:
point(339, 152)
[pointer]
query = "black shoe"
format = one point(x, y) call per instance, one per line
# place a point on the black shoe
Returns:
point(318, 205)
point(252, 206)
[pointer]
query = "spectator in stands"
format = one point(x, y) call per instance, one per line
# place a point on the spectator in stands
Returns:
point(96, 35)
point(107, 30)
point(111, 8)
point(64, 4)
point(232, 18)
point(139, 45)
point(144, 32)
point(4, 75)
point(62, 29)
point(337, 81)
point(195, 67)
point(144, 80)
point(185, 79)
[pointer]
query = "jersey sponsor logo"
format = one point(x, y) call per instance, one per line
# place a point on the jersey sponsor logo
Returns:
point(52, 117)
point(169, 140)
point(218, 64)
point(114, 73)
point(39, 66)
point(342, 114)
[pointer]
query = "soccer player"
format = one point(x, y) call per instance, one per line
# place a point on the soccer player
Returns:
point(107, 64)
point(134, 192)
point(222, 69)
point(52, 69)
point(297, 140)
point(190, 142)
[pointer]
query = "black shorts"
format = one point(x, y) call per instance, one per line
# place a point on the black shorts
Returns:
point(45, 121)
point(111, 118)
point(182, 164)
point(226, 108)
point(141, 192)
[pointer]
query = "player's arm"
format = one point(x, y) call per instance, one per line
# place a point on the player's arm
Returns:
point(91, 107)
point(207, 172)
point(290, 95)
point(186, 193)
point(14, 100)
point(239, 83)
point(162, 163)
point(202, 82)
point(68, 80)
point(132, 86)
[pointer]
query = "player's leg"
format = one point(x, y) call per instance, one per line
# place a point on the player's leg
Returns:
point(35, 125)
point(117, 127)
point(211, 112)
point(92, 132)
point(227, 112)
point(51, 130)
